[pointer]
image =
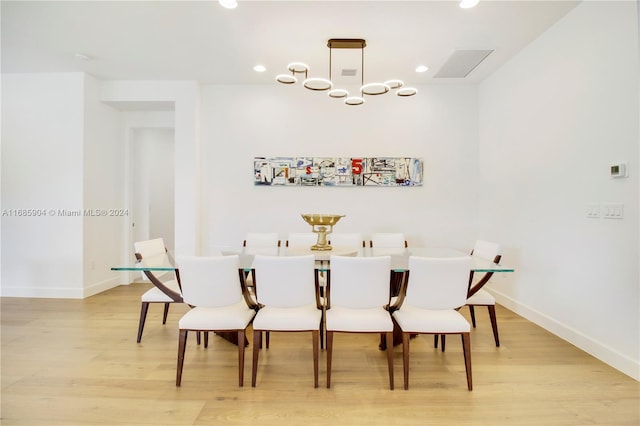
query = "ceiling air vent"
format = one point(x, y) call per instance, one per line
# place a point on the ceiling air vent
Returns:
point(348, 72)
point(461, 63)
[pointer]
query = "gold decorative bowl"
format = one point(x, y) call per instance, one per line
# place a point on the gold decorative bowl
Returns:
point(322, 219)
point(319, 224)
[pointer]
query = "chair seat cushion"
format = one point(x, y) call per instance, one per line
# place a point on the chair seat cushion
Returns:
point(154, 294)
point(232, 317)
point(482, 297)
point(358, 320)
point(302, 318)
point(417, 320)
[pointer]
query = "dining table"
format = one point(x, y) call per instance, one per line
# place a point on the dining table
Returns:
point(160, 264)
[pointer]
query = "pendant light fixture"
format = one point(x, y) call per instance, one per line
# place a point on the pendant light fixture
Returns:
point(318, 84)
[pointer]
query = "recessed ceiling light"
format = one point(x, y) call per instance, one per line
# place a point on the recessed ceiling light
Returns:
point(467, 4)
point(82, 57)
point(259, 68)
point(422, 68)
point(229, 4)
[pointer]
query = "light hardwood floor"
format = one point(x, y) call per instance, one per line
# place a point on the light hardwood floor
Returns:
point(76, 362)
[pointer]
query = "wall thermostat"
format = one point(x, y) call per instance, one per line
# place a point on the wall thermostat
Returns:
point(619, 170)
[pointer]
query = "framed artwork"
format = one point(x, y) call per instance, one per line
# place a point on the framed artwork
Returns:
point(338, 171)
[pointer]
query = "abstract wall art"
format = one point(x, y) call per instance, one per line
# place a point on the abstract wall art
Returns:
point(338, 171)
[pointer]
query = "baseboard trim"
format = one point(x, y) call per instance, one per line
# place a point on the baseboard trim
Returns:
point(43, 292)
point(101, 286)
point(60, 292)
point(604, 353)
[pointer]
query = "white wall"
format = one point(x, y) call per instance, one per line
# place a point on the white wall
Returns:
point(240, 123)
point(103, 195)
point(552, 121)
point(61, 155)
point(42, 157)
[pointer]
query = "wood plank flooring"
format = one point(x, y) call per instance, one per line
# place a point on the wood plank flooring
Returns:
point(76, 362)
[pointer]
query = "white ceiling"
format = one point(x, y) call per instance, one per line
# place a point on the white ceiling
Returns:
point(200, 40)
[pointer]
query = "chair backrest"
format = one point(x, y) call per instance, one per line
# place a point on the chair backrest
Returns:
point(154, 254)
point(486, 250)
point(360, 282)
point(150, 248)
point(388, 240)
point(261, 239)
point(438, 283)
point(285, 281)
point(351, 240)
point(302, 239)
point(210, 281)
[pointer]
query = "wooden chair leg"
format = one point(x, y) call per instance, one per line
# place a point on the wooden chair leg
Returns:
point(257, 342)
point(405, 359)
point(322, 332)
point(198, 338)
point(206, 339)
point(466, 347)
point(143, 316)
point(472, 312)
point(315, 335)
point(494, 324)
point(442, 338)
point(267, 335)
point(166, 312)
point(435, 340)
point(182, 344)
point(240, 357)
point(389, 337)
point(329, 356)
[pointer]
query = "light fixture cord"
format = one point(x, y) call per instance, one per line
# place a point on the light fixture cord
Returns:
point(330, 50)
point(362, 72)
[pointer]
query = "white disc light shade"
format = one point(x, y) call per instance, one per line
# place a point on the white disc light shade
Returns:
point(406, 91)
point(374, 89)
point(318, 84)
point(286, 79)
point(394, 84)
point(354, 100)
point(338, 93)
point(298, 67)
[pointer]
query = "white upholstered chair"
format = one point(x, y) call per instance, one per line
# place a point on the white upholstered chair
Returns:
point(437, 287)
point(301, 239)
point(261, 239)
point(391, 243)
point(304, 240)
point(347, 240)
point(388, 240)
point(287, 294)
point(259, 243)
point(359, 293)
point(211, 285)
point(154, 253)
point(477, 296)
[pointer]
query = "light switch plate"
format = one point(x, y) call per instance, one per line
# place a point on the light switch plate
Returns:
point(613, 211)
point(593, 211)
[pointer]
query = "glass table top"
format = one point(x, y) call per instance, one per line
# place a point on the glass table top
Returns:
point(399, 257)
